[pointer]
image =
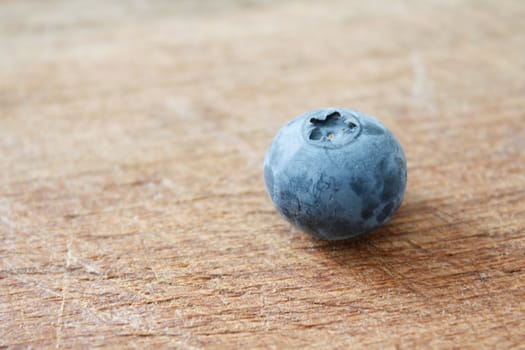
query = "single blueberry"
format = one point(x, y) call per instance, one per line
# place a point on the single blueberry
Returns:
point(335, 173)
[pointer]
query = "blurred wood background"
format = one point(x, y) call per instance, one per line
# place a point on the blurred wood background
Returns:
point(132, 207)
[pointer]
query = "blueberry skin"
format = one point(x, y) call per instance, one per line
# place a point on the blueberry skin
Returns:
point(335, 173)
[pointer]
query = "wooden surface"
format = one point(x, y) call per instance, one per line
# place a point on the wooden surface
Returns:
point(132, 207)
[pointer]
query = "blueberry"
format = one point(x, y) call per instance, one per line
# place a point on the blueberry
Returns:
point(335, 173)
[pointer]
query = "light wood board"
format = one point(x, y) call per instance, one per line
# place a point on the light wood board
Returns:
point(132, 207)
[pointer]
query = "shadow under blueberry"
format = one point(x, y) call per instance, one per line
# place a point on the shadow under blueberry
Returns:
point(408, 253)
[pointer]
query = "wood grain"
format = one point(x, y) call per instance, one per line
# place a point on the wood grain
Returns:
point(132, 207)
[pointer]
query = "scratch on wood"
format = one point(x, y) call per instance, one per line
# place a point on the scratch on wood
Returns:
point(421, 88)
point(65, 287)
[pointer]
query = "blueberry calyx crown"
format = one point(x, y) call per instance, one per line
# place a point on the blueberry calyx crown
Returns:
point(331, 128)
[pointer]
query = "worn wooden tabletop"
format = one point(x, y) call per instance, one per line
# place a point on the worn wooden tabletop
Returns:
point(132, 207)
